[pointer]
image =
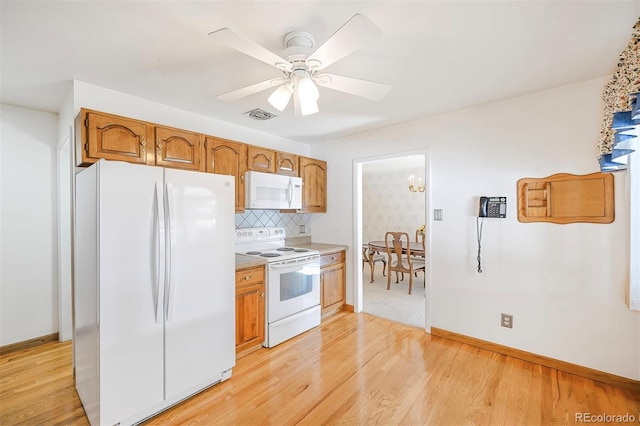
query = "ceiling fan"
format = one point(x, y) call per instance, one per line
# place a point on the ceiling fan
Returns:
point(302, 65)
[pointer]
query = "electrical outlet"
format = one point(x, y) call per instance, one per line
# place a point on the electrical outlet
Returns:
point(302, 229)
point(506, 320)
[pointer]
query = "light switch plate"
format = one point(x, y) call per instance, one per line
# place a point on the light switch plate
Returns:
point(437, 214)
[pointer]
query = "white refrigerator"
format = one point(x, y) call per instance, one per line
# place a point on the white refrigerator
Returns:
point(154, 292)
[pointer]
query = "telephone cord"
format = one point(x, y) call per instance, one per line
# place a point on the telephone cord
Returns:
point(479, 223)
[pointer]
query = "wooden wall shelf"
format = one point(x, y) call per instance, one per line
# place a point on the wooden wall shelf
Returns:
point(565, 198)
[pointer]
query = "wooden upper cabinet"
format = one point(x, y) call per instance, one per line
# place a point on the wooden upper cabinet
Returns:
point(178, 148)
point(114, 138)
point(261, 159)
point(226, 157)
point(286, 164)
point(314, 185)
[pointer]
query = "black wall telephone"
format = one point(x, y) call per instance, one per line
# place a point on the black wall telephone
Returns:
point(493, 207)
point(489, 207)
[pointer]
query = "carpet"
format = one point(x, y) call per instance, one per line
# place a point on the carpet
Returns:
point(396, 304)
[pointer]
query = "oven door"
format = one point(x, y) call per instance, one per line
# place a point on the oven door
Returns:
point(293, 285)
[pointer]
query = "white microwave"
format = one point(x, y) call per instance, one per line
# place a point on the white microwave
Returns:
point(271, 191)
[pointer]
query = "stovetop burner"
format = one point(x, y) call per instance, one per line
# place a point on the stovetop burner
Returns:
point(269, 244)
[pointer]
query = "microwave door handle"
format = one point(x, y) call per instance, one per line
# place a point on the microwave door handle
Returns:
point(290, 192)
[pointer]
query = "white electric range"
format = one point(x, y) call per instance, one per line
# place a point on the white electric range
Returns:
point(292, 282)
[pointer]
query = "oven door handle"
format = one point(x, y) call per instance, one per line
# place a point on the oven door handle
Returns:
point(296, 265)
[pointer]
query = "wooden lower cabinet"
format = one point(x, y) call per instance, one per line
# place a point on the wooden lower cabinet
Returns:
point(249, 310)
point(332, 282)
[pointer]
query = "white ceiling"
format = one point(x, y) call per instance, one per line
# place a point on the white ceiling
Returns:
point(438, 56)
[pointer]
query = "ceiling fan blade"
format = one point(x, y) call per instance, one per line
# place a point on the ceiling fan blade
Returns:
point(349, 38)
point(250, 90)
point(249, 47)
point(355, 86)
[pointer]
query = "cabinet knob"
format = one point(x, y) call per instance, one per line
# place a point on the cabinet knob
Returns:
point(262, 295)
point(143, 144)
point(247, 277)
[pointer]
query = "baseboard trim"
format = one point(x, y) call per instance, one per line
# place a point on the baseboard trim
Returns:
point(348, 308)
point(31, 343)
point(567, 367)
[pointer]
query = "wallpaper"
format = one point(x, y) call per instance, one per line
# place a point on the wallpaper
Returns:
point(261, 218)
point(387, 203)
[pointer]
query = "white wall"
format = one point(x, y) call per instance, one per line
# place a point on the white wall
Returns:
point(564, 284)
point(28, 256)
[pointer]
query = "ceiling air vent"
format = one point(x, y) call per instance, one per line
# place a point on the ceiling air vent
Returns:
point(260, 114)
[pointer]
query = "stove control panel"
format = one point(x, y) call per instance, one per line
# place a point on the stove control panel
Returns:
point(273, 233)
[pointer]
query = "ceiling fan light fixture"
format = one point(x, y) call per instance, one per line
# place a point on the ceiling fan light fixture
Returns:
point(307, 89)
point(279, 99)
point(308, 106)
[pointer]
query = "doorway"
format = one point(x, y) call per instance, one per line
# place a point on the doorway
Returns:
point(384, 202)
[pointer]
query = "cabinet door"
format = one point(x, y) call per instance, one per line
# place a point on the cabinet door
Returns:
point(115, 138)
point(261, 159)
point(286, 164)
point(314, 185)
point(250, 313)
point(228, 158)
point(178, 148)
point(332, 281)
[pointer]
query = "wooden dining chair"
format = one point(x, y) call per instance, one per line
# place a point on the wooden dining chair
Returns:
point(399, 257)
point(371, 256)
point(419, 239)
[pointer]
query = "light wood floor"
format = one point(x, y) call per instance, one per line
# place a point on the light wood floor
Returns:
point(355, 369)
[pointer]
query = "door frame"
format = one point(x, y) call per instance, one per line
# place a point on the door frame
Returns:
point(65, 151)
point(358, 220)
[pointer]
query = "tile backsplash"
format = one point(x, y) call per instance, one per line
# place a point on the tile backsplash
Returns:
point(291, 222)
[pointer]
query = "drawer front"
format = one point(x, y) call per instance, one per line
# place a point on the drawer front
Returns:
point(250, 276)
point(331, 259)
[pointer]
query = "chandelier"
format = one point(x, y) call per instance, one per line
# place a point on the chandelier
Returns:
point(421, 185)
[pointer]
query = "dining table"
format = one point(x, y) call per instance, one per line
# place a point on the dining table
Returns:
point(416, 248)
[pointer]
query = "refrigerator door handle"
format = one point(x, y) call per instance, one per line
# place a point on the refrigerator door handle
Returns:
point(169, 290)
point(159, 249)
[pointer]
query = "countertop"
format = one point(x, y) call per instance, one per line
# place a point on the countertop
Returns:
point(243, 261)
